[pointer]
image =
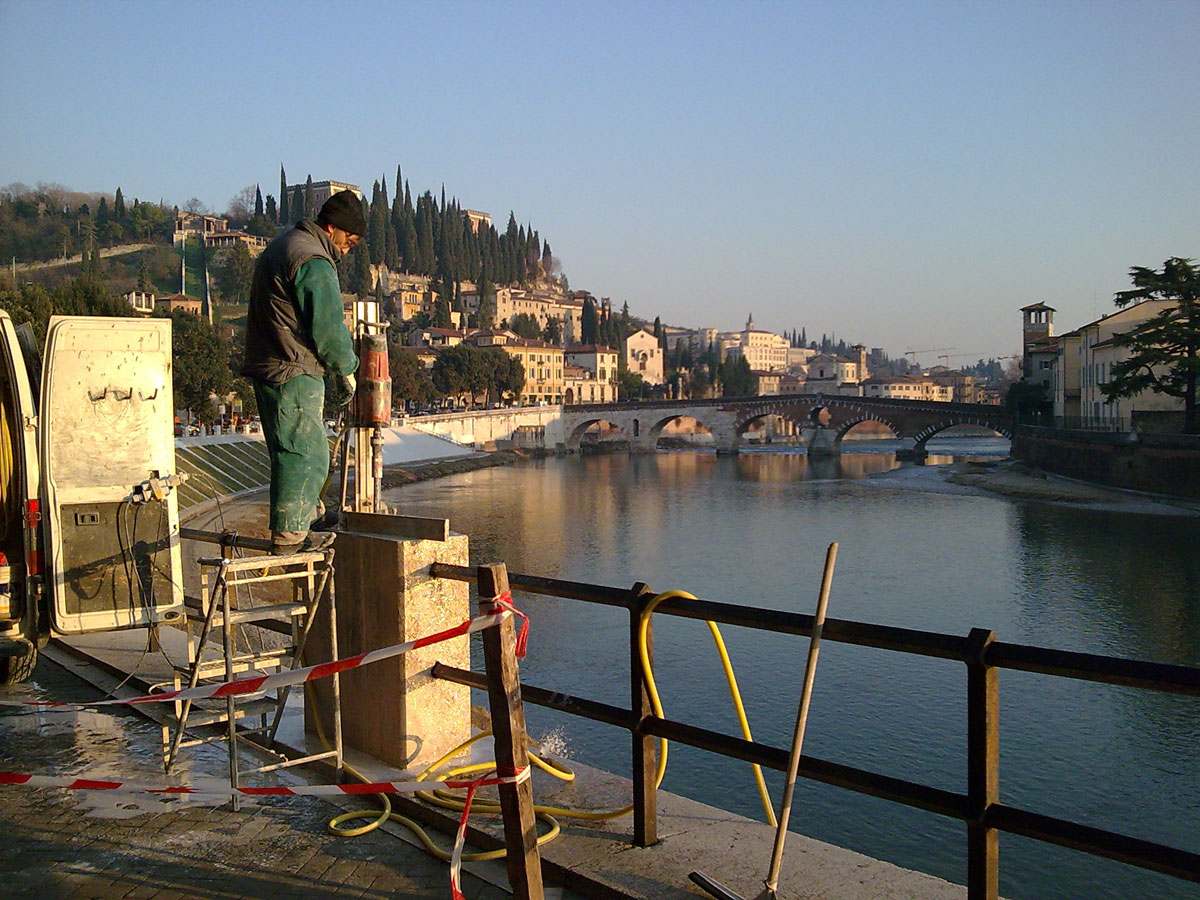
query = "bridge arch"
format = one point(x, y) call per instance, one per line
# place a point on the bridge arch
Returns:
point(933, 429)
point(574, 439)
point(654, 432)
point(846, 426)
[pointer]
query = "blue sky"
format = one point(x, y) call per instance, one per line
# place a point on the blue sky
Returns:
point(904, 174)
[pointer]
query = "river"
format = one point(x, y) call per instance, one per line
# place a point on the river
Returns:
point(753, 529)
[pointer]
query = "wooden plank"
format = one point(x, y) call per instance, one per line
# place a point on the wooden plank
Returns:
point(645, 756)
point(508, 734)
point(416, 528)
point(983, 769)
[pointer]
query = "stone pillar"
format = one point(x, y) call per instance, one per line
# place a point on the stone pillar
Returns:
point(394, 710)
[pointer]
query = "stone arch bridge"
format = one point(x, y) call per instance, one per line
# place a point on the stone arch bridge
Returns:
point(820, 420)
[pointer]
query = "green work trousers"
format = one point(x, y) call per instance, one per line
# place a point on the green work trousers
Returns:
point(298, 447)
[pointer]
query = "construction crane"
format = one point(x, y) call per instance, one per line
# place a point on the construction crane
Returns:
point(912, 354)
point(946, 357)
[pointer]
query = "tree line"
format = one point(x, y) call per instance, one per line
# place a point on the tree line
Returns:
point(51, 222)
point(431, 237)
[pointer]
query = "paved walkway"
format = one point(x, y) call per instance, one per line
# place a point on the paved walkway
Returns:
point(81, 845)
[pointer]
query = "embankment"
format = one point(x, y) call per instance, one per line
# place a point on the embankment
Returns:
point(1154, 463)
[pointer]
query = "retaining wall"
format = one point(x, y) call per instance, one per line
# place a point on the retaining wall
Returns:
point(1156, 463)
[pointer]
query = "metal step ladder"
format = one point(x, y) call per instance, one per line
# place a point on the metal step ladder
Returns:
point(231, 634)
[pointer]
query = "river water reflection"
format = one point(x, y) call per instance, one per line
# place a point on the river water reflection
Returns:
point(753, 529)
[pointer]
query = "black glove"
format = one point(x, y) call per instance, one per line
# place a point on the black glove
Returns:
point(344, 386)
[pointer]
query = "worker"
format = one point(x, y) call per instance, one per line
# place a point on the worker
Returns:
point(295, 336)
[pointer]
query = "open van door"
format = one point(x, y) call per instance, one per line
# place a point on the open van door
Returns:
point(107, 462)
point(22, 625)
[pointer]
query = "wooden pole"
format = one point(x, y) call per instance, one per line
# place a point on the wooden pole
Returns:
point(810, 674)
point(508, 732)
point(983, 768)
point(645, 750)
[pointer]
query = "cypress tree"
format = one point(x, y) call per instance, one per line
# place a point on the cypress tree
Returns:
point(284, 210)
point(588, 322)
point(309, 204)
point(119, 206)
point(102, 211)
point(377, 224)
point(296, 209)
point(258, 201)
point(271, 212)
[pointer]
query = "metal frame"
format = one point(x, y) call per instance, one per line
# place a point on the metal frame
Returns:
point(311, 576)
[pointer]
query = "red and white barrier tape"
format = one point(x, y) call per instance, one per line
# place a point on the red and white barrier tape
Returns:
point(311, 790)
point(259, 683)
point(503, 603)
point(254, 685)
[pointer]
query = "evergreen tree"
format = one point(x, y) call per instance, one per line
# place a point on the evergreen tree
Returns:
point(233, 278)
point(487, 302)
point(119, 206)
point(525, 325)
point(102, 215)
point(589, 323)
point(258, 202)
point(1163, 352)
point(362, 270)
point(547, 260)
point(272, 212)
point(377, 224)
point(310, 211)
point(284, 209)
point(296, 207)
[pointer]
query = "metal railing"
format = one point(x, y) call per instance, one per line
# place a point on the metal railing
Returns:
point(1115, 424)
point(979, 808)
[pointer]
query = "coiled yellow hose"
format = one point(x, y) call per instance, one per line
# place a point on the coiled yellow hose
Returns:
point(550, 814)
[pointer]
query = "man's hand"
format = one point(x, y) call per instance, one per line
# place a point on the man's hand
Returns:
point(346, 386)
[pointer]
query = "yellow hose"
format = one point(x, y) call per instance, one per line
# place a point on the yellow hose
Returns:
point(448, 800)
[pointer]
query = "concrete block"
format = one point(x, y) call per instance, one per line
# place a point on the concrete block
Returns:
point(394, 710)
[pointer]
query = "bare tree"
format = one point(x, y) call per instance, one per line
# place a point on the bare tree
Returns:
point(241, 206)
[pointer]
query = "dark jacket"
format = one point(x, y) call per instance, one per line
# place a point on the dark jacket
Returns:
point(294, 325)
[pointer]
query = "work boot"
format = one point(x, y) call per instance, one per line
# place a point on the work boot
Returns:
point(327, 521)
point(310, 542)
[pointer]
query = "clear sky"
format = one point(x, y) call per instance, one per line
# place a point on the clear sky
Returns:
point(902, 174)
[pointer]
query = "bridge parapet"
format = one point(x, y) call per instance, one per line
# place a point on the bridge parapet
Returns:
point(728, 419)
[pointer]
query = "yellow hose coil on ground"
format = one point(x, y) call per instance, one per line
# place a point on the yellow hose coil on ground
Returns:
point(448, 800)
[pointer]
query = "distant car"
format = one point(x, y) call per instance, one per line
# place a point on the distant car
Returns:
point(179, 430)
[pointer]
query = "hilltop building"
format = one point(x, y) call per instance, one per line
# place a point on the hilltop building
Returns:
point(829, 373)
point(323, 190)
point(643, 356)
point(764, 351)
point(141, 301)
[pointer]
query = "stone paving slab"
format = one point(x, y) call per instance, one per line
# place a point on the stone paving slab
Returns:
point(101, 846)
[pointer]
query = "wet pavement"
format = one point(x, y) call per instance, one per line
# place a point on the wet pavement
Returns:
point(104, 844)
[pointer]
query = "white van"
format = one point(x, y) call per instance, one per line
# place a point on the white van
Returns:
point(89, 526)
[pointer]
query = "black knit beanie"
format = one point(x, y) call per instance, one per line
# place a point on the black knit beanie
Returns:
point(343, 210)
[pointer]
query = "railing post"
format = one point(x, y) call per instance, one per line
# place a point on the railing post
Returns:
point(983, 767)
point(645, 753)
point(508, 735)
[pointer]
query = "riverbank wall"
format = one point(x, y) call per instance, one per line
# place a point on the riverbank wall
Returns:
point(1155, 463)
